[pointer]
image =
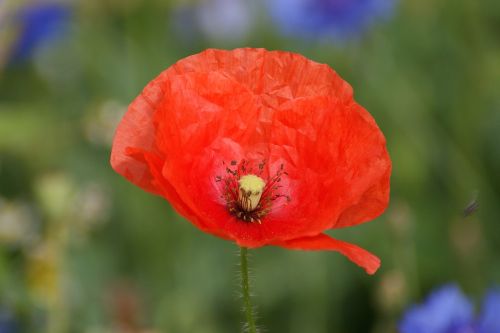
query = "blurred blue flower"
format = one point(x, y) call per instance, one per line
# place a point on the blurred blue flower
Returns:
point(489, 319)
point(448, 310)
point(7, 322)
point(38, 24)
point(327, 19)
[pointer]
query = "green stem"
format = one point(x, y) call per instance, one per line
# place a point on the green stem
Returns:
point(246, 291)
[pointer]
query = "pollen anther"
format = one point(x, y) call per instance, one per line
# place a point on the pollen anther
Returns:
point(250, 192)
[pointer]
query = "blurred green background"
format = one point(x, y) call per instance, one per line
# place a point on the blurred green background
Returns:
point(83, 250)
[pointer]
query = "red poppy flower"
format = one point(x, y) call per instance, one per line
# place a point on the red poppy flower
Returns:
point(259, 147)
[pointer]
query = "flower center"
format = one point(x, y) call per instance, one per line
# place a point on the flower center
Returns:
point(250, 191)
point(247, 195)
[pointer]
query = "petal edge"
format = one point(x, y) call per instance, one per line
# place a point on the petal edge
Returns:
point(369, 262)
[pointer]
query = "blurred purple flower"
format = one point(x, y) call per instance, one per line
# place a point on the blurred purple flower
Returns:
point(327, 19)
point(448, 310)
point(39, 23)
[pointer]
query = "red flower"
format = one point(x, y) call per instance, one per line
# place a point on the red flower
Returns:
point(259, 147)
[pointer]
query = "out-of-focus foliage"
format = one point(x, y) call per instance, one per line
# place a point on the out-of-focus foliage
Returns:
point(82, 250)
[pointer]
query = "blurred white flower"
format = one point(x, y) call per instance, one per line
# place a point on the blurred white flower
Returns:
point(230, 20)
point(100, 125)
point(18, 223)
point(92, 206)
point(217, 20)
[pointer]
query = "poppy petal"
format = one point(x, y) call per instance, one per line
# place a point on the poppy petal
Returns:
point(357, 255)
point(166, 190)
point(373, 168)
point(137, 130)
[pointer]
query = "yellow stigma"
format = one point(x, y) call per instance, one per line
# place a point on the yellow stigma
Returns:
point(251, 187)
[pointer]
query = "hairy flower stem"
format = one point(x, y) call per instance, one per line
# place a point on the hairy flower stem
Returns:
point(246, 291)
